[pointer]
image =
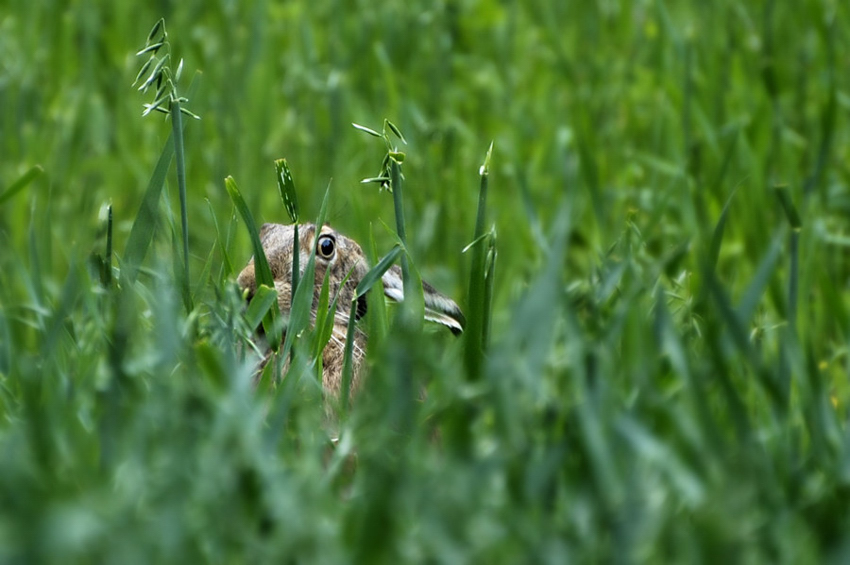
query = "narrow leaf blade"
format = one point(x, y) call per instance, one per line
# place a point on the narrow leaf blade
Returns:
point(21, 183)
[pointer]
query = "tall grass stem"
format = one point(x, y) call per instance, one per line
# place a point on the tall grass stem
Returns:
point(177, 127)
point(476, 299)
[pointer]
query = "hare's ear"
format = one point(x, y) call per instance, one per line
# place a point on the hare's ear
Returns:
point(442, 309)
point(393, 287)
point(266, 228)
point(439, 308)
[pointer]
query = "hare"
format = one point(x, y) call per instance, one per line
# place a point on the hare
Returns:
point(337, 255)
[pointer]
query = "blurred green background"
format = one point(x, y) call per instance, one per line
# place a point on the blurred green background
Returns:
point(658, 110)
point(669, 379)
point(631, 106)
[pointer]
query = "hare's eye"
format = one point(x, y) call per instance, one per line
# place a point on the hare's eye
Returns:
point(326, 246)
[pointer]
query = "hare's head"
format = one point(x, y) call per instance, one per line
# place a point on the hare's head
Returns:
point(338, 256)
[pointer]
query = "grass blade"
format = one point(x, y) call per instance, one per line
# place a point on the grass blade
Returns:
point(302, 301)
point(370, 131)
point(474, 350)
point(141, 234)
point(788, 207)
point(20, 184)
point(226, 265)
point(261, 264)
point(289, 197)
point(347, 359)
point(373, 277)
point(177, 131)
point(264, 298)
point(376, 304)
point(717, 236)
point(286, 189)
point(489, 284)
point(752, 295)
point(790, 334)
point(107, 275)
point(262, 271)
point(375, 273)
point(325, 312)
point(413, 306)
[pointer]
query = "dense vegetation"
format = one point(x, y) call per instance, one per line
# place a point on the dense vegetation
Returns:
point(667, 371)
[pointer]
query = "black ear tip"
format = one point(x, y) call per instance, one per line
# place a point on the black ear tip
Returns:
point(461, 319)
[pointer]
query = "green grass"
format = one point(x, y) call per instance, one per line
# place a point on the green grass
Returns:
point(665, 363)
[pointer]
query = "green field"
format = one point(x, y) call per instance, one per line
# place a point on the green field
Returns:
point(665, 373)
